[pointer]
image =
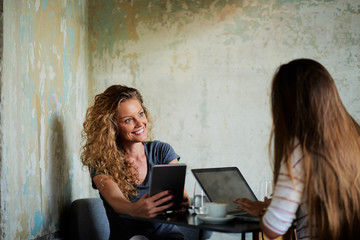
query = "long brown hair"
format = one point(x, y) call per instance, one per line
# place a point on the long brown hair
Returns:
point(101, 150)
point(306, 106)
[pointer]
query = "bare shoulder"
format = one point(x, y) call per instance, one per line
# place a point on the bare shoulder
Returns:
point(103, 180)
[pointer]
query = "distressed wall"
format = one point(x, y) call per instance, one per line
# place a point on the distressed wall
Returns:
point(43, 100)
point(205, 67)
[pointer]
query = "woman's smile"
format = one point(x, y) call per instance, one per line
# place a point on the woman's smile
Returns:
point(140, 131)
point(132, 121)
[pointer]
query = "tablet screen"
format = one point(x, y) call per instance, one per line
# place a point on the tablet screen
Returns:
point(169, 177)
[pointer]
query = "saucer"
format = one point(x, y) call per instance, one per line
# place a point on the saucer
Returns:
point(215, 220)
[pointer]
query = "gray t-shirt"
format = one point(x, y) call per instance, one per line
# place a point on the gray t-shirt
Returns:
point(156, 153)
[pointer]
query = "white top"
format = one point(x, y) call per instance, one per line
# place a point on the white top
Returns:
point(288, 200)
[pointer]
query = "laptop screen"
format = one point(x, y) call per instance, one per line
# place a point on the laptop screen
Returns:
point(224, 185)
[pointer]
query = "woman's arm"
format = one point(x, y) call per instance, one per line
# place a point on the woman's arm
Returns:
point(286, 199)
point(146, 206)
point(257, 208)
point(270, 234)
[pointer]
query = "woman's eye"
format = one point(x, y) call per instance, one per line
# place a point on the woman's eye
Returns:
point(141, 114)
point(127, 120)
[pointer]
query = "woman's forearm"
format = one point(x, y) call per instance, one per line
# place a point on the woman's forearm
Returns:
point(270, 234)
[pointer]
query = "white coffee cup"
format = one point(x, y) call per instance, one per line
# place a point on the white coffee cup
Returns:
point(215, 209)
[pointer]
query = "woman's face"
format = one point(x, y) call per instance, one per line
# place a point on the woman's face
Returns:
point(131, 121)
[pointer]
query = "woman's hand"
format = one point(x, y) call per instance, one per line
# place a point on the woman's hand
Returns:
point(255, 208)
point(149, 207)
point(146, 207)
point(184, 205)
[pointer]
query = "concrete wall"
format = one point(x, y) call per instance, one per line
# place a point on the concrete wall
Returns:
point(204, 68)
point(44, 98)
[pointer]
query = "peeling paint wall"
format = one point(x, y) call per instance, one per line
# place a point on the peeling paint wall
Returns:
point(205, 67)
point(44, 98)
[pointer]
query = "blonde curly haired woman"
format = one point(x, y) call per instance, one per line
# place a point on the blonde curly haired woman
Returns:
point(119, 158)
point(316, 158)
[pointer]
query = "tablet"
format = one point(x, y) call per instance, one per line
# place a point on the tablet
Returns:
point(169, 177)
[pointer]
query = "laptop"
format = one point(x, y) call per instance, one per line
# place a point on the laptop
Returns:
point(224, 185)
point(169, 177)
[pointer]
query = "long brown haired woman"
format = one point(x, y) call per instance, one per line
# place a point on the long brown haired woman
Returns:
point(119, 158)
point(316, 158)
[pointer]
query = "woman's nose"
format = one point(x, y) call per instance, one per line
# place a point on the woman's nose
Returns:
point(137, 122)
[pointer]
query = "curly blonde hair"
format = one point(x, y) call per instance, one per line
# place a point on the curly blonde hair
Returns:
point(102, 152)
